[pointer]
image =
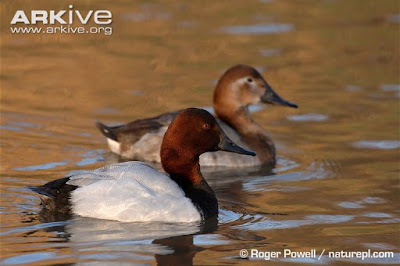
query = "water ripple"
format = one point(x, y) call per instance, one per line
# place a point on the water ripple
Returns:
point(87, 161)
point(353, 88)
point(390, 87)
point(40, 166)
point(11, 128)
point(308, 117)
point(268, 224)
point(350, 205)
point(377, 144)
point(377, 215)
point(34, 227)
point(32, 257)
point(139, 17)
point(316, 170)
point(258, 29)
point(270, 52)
point(394, 18)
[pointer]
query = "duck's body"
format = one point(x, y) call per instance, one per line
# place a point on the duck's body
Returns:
point(239, 87)
point(134, 191)
point(148, 135)
point(131, 191)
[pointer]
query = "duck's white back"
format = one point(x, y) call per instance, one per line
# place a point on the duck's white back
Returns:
point(130, 192)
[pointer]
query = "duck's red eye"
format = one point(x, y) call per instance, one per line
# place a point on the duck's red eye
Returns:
point(206, 126)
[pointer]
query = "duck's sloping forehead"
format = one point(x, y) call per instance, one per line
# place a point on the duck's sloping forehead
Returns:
point(241, 71)
point(195, 114)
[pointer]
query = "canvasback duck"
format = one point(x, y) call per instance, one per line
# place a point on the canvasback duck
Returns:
point(239, 87)
point(134, 191)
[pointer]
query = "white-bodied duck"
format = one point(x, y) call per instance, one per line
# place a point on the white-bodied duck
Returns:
point(136, 192)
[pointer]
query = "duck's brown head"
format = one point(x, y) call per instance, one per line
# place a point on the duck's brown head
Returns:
point(192, 133)
point(242, 85)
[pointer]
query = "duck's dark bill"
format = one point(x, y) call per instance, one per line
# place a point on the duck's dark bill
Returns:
point(270, 96)
point(227, 145)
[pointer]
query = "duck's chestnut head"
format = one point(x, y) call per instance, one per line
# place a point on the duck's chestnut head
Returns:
point(242, 85)
point(192, 133)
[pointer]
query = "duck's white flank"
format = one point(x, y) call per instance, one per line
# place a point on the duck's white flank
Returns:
point(130, 192)
point(115, 146)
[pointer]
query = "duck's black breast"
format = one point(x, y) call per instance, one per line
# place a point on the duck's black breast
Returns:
point(204, 199)
point(201, 195)
point(55, 195)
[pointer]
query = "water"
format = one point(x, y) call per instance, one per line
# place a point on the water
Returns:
point(335, 186)
point(258, 29)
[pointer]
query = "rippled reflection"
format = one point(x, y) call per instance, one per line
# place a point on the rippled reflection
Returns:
point(335, 185)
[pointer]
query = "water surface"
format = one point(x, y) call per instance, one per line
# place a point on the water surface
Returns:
point(335, 186)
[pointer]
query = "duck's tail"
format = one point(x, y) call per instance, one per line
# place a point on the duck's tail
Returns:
point(55, 195)
point(40, 190)
point(106, 131)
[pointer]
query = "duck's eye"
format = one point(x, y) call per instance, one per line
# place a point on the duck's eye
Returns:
point(206, 126)
point(249, 79)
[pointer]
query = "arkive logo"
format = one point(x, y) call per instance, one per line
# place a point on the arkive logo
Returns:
point(101, 17)
point(61, 21)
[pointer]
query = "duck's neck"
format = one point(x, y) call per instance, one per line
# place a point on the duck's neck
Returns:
point(254, 135)
point(192, 182)
point(239, 119)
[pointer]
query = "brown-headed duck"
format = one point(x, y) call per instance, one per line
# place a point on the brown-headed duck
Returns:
point(239, 87)
point(134, 191)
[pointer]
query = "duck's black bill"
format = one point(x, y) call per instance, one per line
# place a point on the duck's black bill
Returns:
point(271, 97)
point(227, 145)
